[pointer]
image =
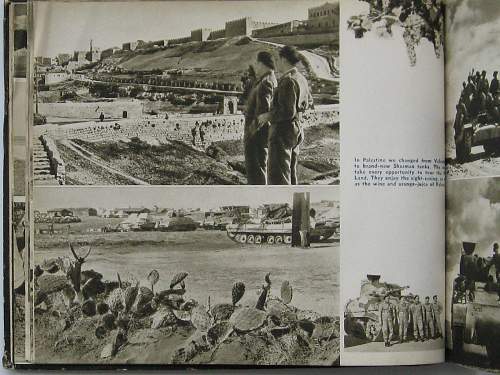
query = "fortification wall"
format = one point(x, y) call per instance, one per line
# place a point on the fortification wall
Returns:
point(305, 39)
point(113, 109)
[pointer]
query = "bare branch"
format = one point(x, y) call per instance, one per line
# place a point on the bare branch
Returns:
point(73, 251)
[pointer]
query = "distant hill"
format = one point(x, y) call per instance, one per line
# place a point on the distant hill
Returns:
point(224, 59)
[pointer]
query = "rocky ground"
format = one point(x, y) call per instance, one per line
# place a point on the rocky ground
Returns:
point(177, 163)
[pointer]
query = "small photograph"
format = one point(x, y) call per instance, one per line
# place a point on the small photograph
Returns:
point(19, 138)
point(412, 21)
point(20, 40)
point(187, 275)
point(19, 231)
point(389, 317)
point(246, 94)
point(473, 90)
point(473, 271)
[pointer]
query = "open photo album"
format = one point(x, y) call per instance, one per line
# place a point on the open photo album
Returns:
point(178, 172)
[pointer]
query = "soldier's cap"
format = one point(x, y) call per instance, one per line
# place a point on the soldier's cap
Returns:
point(290, 54)
point(267, 59)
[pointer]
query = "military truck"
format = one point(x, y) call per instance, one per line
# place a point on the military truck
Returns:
point(481, 131)
point(361, 314)
point(475, 315)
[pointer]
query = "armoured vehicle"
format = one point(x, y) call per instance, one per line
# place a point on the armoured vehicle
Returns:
point(177, 224)
point(481, 131)
point(276, 228)
point(361, 314)
point(475, 315)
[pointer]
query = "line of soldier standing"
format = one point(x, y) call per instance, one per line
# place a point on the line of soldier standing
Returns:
point(478, 96)
point(425, 318)
point(274, 108)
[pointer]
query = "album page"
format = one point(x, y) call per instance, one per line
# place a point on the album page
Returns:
point(188, 167)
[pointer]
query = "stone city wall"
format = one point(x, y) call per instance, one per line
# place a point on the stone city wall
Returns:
point(114, 109)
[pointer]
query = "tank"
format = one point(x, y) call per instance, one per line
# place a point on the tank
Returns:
point(475, 315)
point(276, 227)
point(361, 314)
point(177, 224)
point(481, 131)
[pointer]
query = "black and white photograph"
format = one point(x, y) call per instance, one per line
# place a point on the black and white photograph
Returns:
point(187, 275)
point(20, 40)
point(391, 317)
point(413, 22)
point(190, 93)
point(473, 93)
point(473, 272)
point(19, 249)
point(19, 138)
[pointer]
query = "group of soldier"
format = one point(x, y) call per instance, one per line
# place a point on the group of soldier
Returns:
point(478, 96)
point(273, 113)
point(425, 318)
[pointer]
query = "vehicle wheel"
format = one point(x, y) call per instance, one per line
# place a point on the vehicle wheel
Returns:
point(270, 240)
point(493, 350)
point(372, 330)
point(278, 240)
point(231, 234)
point(243, 238)
point(237, 237)
point(457, 335)
point(288, 239)
point(250, 239)
point(258, 239)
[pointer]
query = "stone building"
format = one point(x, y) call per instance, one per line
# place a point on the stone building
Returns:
point(183, 40)
point(244, 26)
point(217, 34)
point(63, 58)
point(323, 18)
point(80, 56)
point(200, 35)
point(286, 28)
point(55, 77)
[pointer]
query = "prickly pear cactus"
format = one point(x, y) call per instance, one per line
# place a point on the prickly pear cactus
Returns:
point(286, 292)
point(52, 283)
point(129, 296)
point(116, 300)
point(237, 292)
point(222, 311)
point(163, 318)
point(177, 279)
point(249, 319)
point(200, 318)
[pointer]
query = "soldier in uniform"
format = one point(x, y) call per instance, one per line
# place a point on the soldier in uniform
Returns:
point(386, 318)
point(417, 313)
point(403, 314)
point(429, 318)
point(292, 97)
point(437, 307)
point(255, 135)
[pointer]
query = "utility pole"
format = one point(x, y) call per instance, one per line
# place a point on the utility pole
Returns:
point(301, 223)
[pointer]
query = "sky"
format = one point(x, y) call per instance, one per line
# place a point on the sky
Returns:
point(176, 197)
point(63, 27)
point(472, 33)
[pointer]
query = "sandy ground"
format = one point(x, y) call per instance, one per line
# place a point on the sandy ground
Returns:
point(363, 346)
point(213, 267)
